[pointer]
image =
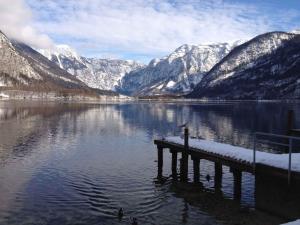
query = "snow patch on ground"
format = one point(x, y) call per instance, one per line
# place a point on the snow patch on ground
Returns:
point(225, 76)
point(160, 86)
point(171, 84)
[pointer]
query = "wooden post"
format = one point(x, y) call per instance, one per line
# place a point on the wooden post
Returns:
point(186, 138)
point(174, 164)
point(237, 177)
point(196, 168)
point(290, 122)
point(290, 126)
point(185, 156)
point(218, 176)
point(159, 161)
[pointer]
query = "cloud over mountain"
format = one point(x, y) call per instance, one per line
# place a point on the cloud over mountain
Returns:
point(140, 29)
point(16, 21)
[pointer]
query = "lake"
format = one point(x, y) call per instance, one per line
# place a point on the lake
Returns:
point(72, 163)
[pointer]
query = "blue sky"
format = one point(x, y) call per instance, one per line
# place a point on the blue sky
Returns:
point(142, 29)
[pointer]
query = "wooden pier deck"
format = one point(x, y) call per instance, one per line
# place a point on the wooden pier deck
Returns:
point(277, 176)
point(282, 166)
point(240, 163)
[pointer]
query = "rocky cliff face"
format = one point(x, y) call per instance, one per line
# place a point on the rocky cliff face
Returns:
point(22, 68)
point(15, 69)
point(177, 73)
point(97, 73)
point(266, 67)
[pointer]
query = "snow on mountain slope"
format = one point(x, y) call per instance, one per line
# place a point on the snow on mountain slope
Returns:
point(202, 68)
point(103, 74)
point(265, 67)
point(176, 73)
point(14, 68)
point(22, 68)
point(297, 31)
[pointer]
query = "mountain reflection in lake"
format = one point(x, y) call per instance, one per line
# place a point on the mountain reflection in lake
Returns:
point(78, 164)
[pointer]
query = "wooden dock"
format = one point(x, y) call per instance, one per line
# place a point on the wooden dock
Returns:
point(236, 165)
point(277, 183)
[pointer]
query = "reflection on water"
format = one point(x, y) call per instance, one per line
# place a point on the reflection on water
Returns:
point(77, 163)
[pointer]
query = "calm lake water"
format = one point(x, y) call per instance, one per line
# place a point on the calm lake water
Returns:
point(66, 163)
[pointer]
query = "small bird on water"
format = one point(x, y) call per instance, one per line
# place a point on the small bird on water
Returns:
point(134, 221)
point(207, 177)
point(120, 213)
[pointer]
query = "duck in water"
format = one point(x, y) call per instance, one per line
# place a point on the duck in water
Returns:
point(120, 213)
point(134, 221)
point(207, 177)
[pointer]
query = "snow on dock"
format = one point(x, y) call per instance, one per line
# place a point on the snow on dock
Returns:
point(242, 154)
point(277, 176)
point(297, 222)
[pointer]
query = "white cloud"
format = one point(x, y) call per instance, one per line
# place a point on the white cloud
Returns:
point(16, 23)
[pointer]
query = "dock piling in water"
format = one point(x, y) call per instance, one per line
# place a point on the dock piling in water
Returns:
point(185, 157)
point(196, 168)
point(218, 176)
point(237, 185)
point(159, 161)
point(174, 163)
point(224, 155)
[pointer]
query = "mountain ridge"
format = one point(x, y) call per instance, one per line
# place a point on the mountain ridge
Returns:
point(196, 71)
point(250, 70)
point(97, 73)
point(26, 73)
point(176, 73)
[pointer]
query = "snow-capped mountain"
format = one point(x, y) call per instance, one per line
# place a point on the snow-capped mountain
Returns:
point(97, 73)
point(176, 73)
point(296, 31)
point(268, 66)
point(22, 68)
point(225, 70)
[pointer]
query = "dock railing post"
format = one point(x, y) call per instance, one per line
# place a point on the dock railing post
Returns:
point(290, 160)
point(290, 125)
point(290, 122)
point(254, 152)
